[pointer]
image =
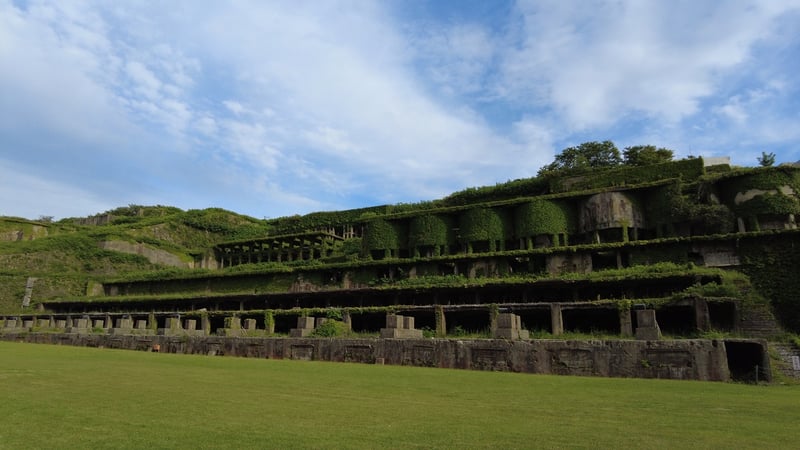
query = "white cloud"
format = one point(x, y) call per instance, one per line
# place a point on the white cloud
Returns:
point(28, 195)
point(595, 63)
point(275, 106)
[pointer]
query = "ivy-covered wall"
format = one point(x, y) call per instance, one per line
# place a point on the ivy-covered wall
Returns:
point(430, 229)
point(772, 262)
point(319, 220)
point(772, 190)
point(382, 234)
point(548, 217)
point(677, 253)
point(685, 169)
point(484, 224)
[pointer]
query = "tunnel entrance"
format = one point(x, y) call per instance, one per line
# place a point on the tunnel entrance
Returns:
point(747, 362)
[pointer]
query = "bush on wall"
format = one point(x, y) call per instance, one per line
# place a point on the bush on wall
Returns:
point(430, 229)
point(382, 234)
point(483, 224)
point(539, 217)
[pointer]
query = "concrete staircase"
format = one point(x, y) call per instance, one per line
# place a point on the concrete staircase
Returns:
point(786, 352)
point(758, 321)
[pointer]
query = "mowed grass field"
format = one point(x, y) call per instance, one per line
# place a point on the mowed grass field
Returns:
point(69, 397)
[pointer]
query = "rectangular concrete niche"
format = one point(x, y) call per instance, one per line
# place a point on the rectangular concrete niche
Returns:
point(305, 326)
point(646, 325)
point(509, 326)
point(495, 359)
point(302, 352)
point(400, 327)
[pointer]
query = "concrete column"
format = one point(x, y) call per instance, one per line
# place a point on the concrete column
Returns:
point(441, 324)
point(625, 324)
point(348, 321)
point(556, 319)
point(205, 324)
point(702, 318)
point(647, 328)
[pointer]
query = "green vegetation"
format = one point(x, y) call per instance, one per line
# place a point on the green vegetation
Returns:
point(60, 396)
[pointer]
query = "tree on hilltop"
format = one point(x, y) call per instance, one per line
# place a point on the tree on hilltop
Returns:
point(584, 156)
point(766, 159)
point(644, 155)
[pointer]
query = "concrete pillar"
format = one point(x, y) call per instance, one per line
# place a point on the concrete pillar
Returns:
point(348, 322)
point(625, 324)
point(205, 324)
point(233, 322)
point(441, 324)
point(646, 325)
point(702, 318)
point(173, 323)
point(394, 321)
point(556, 319)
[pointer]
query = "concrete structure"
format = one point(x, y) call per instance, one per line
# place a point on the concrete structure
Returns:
point(305, 326)
point(400, 327)
point(691, 359)
point(646, 325)
point(509, 326)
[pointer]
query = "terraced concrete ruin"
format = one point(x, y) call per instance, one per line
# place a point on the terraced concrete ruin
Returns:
point(677, 249)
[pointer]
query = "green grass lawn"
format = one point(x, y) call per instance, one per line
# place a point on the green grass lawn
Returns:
point(70, 397)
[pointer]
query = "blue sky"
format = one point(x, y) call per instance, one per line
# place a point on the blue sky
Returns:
point(279, 108)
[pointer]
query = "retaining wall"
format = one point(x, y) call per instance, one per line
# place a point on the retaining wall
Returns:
point(690, 359)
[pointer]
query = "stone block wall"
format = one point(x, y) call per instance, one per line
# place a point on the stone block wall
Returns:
point(690, 359)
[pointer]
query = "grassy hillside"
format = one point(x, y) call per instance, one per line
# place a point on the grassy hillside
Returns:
point(66, 255)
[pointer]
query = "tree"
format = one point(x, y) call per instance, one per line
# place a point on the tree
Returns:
point(644, 155)
point(766, 159)
point(585, 156)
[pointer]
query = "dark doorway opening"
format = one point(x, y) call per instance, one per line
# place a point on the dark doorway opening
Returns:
point(535, 320)
point(676, 320)
point(368, 322)
point(722, 315)
point(464, 322)
point(586, 320)
point(746, 361)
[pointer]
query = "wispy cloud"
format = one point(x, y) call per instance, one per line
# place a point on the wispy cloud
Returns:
point(283, 108)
